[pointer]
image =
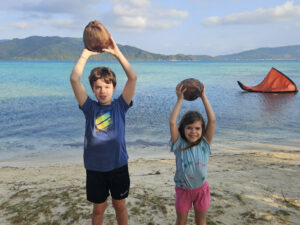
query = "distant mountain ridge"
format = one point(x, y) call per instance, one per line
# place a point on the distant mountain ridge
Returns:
point(276, 53)
point(68, 49)
point(65, 49)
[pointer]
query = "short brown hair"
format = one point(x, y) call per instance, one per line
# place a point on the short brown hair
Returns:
point(104, 73)
point(95, 36)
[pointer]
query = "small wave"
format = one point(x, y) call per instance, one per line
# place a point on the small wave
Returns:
point(145, 143)
point(73, 145)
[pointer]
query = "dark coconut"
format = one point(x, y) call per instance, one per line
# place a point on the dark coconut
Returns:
point(96, 37)
point(193, 89)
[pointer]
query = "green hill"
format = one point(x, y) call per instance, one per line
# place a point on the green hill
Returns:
point(60, 49)
point(66, 49)
point(278, 53)
point(40, 48)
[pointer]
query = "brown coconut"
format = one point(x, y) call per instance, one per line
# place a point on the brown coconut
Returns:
point(193, 89)
point(96, 37)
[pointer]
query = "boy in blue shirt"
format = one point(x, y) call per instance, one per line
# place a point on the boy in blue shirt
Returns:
point(105, 155)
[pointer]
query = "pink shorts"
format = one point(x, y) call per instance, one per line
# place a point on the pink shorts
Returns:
point(198, 197)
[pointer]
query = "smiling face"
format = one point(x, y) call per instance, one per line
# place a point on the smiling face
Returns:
point(103, 91)
point(193, 131)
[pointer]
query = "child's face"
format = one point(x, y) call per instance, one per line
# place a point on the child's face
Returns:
point(193, 131)
point(103, 91)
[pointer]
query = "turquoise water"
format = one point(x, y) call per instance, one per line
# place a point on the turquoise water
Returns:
point(40, 114)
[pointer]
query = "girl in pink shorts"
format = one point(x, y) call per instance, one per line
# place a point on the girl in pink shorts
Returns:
point(190, 142)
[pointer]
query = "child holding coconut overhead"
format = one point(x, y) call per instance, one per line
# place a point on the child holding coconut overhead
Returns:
point(105, 154)
point(190, 142)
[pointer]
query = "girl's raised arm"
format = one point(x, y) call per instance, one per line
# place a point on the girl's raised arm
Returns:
point(174, 115)
point(211, 118)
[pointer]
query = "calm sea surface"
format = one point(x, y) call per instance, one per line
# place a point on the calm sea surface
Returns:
point(39, 114)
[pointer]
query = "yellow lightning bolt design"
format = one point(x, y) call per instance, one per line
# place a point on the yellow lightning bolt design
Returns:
point(103, 122)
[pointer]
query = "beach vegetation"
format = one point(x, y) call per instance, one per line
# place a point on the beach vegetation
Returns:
point(239, 197)
point(151, 222)
point(283, 212)
point(291, 202)
point(249, 214)
point(135, 211)
point(210, 222)
point(219, 212)
point(32, 204)
point(51, 206)
point(252, 216)
point(214, 194)
point(284, 220)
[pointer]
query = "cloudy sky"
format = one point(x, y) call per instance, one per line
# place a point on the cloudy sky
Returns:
point(212, 27)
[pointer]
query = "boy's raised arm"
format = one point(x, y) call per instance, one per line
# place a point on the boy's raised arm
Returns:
point(75, 78)
point(129, 88)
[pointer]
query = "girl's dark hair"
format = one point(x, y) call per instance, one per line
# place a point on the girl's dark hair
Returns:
point(104, 73)
point(189, 118)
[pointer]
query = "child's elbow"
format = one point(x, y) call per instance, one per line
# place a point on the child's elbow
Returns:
point(172, 123)
point(134, 78)
point(212, 121)
point(74, 79)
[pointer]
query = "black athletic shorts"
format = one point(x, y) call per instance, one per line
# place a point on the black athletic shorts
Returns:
point(100, 184)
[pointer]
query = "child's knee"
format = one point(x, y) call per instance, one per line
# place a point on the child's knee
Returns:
point(99, 209)
point(119, 205)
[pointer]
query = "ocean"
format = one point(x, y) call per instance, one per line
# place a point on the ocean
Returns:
point(40, 116)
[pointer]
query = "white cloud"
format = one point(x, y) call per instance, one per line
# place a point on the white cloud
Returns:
point(164, 24)
point(63, 24)
point(139, 15)
point(132, 22)
point(21, 25)
point(118, 15)
point(71, 7)
point(176, 13)
point(57, 14)
point(125, 10)
point(140, 3)
point(134, 3)
point(285, 12)
point(59, 23)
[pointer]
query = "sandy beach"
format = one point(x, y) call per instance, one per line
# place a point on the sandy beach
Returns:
point(248, 187)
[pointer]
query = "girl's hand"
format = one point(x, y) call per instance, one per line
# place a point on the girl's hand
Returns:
point(203, 90)
point(180, 91)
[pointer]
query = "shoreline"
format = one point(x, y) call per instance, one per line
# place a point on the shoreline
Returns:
point(135, 152)
point(248, 187)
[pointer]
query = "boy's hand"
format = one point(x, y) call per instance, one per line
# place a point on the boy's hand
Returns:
point(113, 48)
point(180, 91)
point(87, 53)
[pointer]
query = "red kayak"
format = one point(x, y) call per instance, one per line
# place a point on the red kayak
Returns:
point(274, 82)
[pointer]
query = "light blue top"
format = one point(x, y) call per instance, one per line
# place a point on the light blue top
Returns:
point(191, 164)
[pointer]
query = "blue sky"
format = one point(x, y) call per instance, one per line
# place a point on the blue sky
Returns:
point(212, 27)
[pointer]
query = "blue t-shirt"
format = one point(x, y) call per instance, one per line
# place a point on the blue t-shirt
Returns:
point(104, 140)
point(191, 164)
